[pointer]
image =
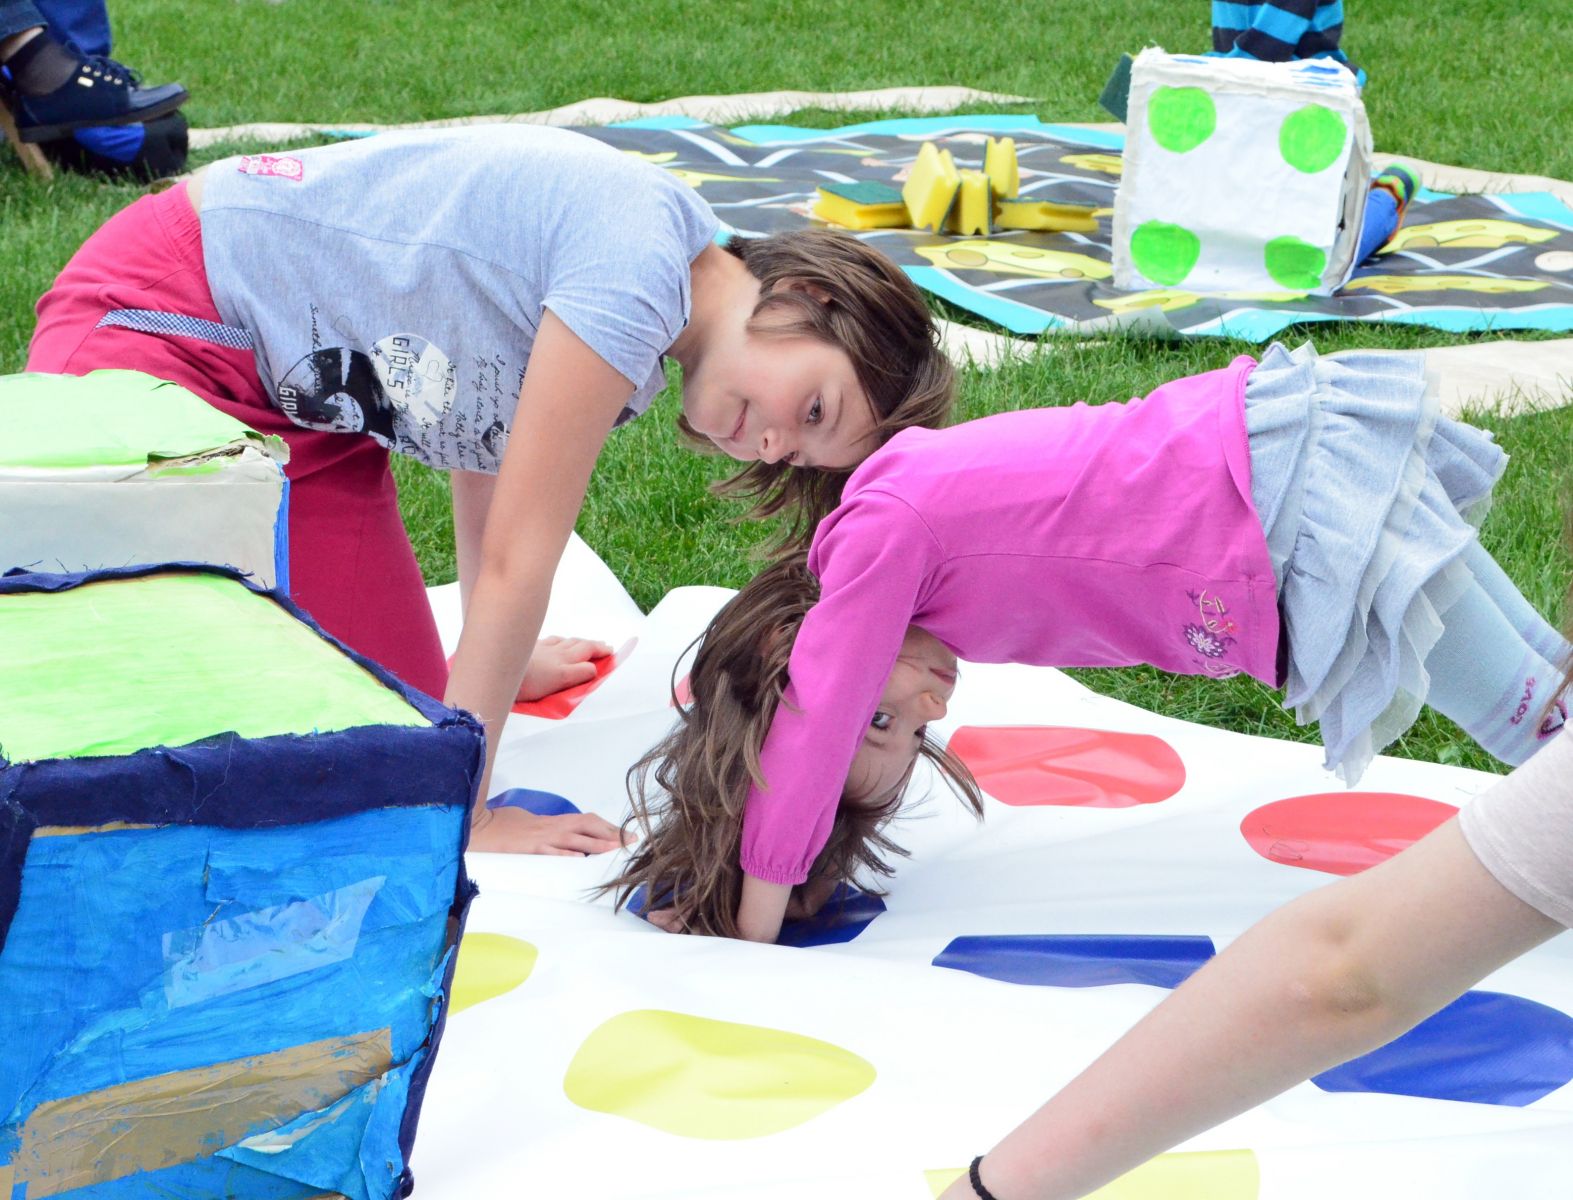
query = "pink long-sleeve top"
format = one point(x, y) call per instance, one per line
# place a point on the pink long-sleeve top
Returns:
point(1099, 535)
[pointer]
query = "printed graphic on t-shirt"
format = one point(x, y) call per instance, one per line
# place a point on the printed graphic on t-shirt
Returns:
point(417, 376)
point(495, 440)
point(336, 389)
point(395, 393)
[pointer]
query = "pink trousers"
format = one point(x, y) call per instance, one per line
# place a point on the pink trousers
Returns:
point(136, 297)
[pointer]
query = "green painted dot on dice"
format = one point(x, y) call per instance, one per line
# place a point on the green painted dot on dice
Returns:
point(1311, 139)
point(1164, 253)
point(1294, 264)
point(1181, 118)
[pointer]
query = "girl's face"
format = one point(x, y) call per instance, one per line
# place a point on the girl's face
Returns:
point(917, 692)
point(780, 399)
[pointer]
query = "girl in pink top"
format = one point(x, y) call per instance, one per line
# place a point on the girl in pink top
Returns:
point(1306, 521)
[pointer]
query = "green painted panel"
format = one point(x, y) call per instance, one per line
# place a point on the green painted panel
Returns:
point(164, 660)
point(109, 418)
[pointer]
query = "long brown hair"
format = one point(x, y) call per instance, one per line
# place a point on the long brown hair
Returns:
point(848, 295)
point(689, 791)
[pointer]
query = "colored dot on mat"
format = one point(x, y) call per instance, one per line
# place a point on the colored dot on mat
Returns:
point(1164, 253)
point(847, 913)
point(557, 705)
point(1484, 1048)
point(703, 1078)
point(682, 692)
point(1059, 765)
point(1342, 833)
point(1181, 118)
point(1078, 960)
point(1295, 265)
point(1204, 1175)
point(542, 804)
point(489, 965)
point(1311, 139)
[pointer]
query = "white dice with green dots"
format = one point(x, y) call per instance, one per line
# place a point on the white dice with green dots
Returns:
point(1240, 176)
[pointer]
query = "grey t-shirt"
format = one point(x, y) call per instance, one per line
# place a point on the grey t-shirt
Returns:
point(1522, 830)
point(393, 285)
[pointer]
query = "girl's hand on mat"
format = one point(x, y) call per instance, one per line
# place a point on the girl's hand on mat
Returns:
point(668, 919)
point(514, 831)
point(560, 663)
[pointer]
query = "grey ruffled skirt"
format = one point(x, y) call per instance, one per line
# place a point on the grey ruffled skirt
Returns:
point(1368, 496)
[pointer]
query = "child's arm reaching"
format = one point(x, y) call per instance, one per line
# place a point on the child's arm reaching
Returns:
point(1324, 979)
point(567, 405)
point(762, 910)
point(873, 559)
point(558, 662)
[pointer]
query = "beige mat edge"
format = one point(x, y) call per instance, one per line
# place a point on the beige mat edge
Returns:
point(604, 110)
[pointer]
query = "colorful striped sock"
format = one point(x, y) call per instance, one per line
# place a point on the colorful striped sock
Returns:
point(1401, 183)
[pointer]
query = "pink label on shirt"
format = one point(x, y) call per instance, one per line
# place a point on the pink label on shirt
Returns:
point(280, 166)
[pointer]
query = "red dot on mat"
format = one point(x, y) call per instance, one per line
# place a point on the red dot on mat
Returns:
point(557, 705)
point(1052, 764)
point(1342, 833)
point(682, 693)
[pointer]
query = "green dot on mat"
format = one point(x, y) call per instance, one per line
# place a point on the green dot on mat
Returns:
point(1294, 264)
point(1312, 138)
point(1181, 118)
point(1164, 253)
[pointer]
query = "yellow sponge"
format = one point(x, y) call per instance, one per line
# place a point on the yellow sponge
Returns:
point(999, 164)
point(865, 205)
point(931, 188)
point(1023, 212)
point(974, 205)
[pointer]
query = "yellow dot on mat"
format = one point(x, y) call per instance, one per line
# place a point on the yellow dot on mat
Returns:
point(489, 965)
point(1205, 1175)
point(703, 1078)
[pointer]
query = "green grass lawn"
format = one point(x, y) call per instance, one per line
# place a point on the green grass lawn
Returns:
point(1474, 82)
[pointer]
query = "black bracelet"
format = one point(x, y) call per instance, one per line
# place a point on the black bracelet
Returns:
point(976, 1180)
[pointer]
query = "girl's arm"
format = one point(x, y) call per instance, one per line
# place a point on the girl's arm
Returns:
point(472, 500)
point(567, 405)
point(873, 557)
point(762, 909)
point(1324, 979)
point(557, 662)
point(765, 907)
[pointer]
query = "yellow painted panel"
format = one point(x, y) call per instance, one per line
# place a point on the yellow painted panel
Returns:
point(703, 1078)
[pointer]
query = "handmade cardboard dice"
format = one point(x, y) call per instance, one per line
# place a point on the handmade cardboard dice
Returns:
point(231, 887)
point(1241, 176)
point(116, 468)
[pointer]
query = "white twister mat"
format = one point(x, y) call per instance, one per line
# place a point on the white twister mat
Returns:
point(590, 1055)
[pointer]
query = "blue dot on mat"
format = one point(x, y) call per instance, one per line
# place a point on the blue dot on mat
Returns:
point(542, 804)
point(1078, 960)
point(1485, 1048)
point(846, 914)
point(639, 902)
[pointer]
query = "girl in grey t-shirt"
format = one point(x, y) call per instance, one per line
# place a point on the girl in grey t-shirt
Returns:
point(492, 301)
